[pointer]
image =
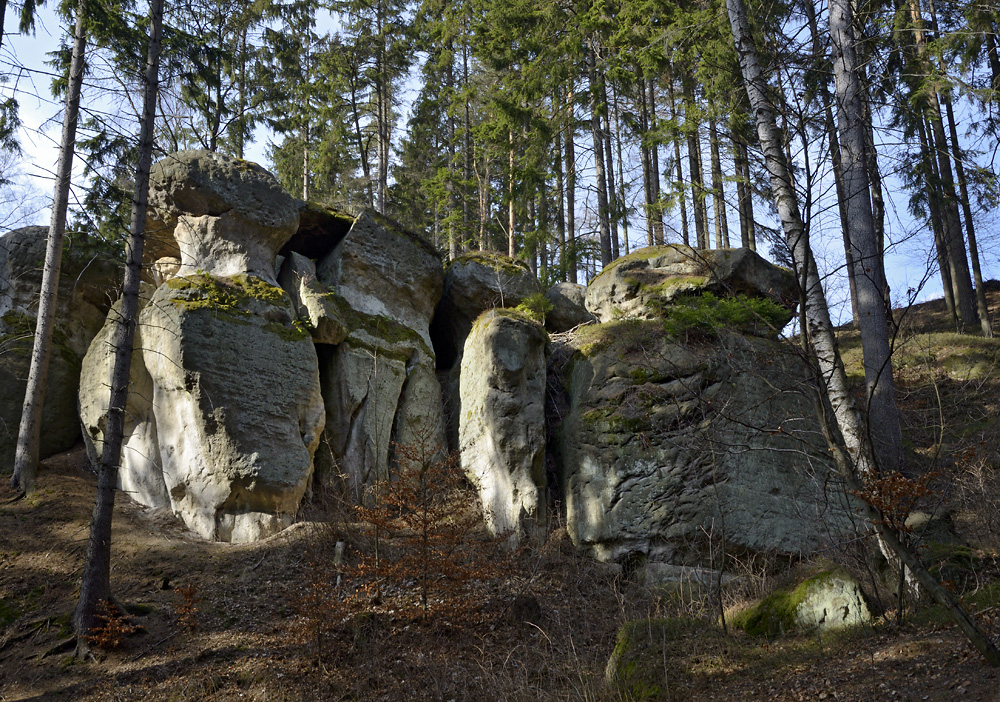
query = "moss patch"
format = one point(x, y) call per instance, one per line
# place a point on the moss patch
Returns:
point(643, 254)
point(498, 262)
point(225, 295)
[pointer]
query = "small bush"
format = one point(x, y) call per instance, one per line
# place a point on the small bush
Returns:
point(535, 306)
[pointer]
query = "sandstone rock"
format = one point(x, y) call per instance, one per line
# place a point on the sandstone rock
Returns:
point(640, 284)
point(382, 270)
point(568, 307)
point(88, 275)
point(320, 229)
point(379, 384)
point(476, 282)
point(227, 409)
point(218, 214)
point(827, 600)
point(665, 443)
point(502, 424)
point(312, 301)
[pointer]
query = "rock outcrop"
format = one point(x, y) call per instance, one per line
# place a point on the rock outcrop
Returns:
point(218, 215)
point(665, 443)
point(502, 424)
point(225, 411)
point(569, 307)
point(644, 282)
point(379, 383)
point(86, 284)
point(476, 282)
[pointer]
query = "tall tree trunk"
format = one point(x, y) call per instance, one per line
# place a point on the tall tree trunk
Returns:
point(95, 586)
point(647, 185)
point(29, 433)
point(511, 244)
point(602, 190)
point(557, 166)
point(838, 171)
point(982, 307)
point(961, 279)
point(866, 254)
point(571, 255)
point(614, 211)
point(853, 456)
point(694, 164)
point(933, 205)
point(718, 189)
point(751, 223)
point(654, 165)
point(305, 161)
point(621, 173)
point(679, 171)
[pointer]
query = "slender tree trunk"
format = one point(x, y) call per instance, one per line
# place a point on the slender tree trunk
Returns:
point(866, 254)
point(305, 161)
point(241, 98)
point(511, 248)
point(621, 174)
point(679, 172)
point(602, 190)
point(557, 164)
point(614, 213)
point(647, 185)
point(941, 248)
point(718, 189)
point(3, 15)
point(654, 166)
point(994, 58)
point(571, 255)
point(751, 223)
point(982, 307)
point(694, 164)
point(95, 585)
point(29, 435)
point(853, 455)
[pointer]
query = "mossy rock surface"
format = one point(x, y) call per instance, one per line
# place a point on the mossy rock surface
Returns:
point(828, 599)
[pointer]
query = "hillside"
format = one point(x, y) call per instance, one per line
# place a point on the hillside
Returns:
point(541, 626)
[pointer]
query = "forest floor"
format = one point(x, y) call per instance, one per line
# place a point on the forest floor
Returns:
point(541, 626)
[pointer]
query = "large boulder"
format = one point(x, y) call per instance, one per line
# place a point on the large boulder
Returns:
point(381, 284)
point(88, 276)
point(666, 445)
point(569, 307)
point(502, 424)
point(218, 215)
point(644, 282)
point(225, 411)
point(476, 282)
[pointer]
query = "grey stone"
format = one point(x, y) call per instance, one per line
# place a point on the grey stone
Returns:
point(568, 307)
point(640, 284)
point(502, 424)
point(665, 444)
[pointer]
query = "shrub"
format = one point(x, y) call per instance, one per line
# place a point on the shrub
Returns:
point(704, 316)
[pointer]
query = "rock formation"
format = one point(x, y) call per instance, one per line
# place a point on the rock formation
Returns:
point(642, 283)
point(502, 423)
point(225, 408)
point(569, 308)
point(86, 284)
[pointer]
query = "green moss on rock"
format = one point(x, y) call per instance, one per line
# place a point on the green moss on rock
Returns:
point(498, 262)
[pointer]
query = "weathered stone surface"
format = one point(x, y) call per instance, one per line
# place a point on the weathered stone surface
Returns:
point(568, 307)
point(502, 424)
point(379, 384)
point(665, 443)
point(218, 214)
point(87, 279)
point(312, 301)
point(382, 270)
point(827, 600)
point(640, 284)
point(227, 414)
point(476, 282)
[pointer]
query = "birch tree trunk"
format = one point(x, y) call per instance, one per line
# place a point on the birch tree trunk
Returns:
point(29, 432)
point(852, 452)
point(95, 585)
